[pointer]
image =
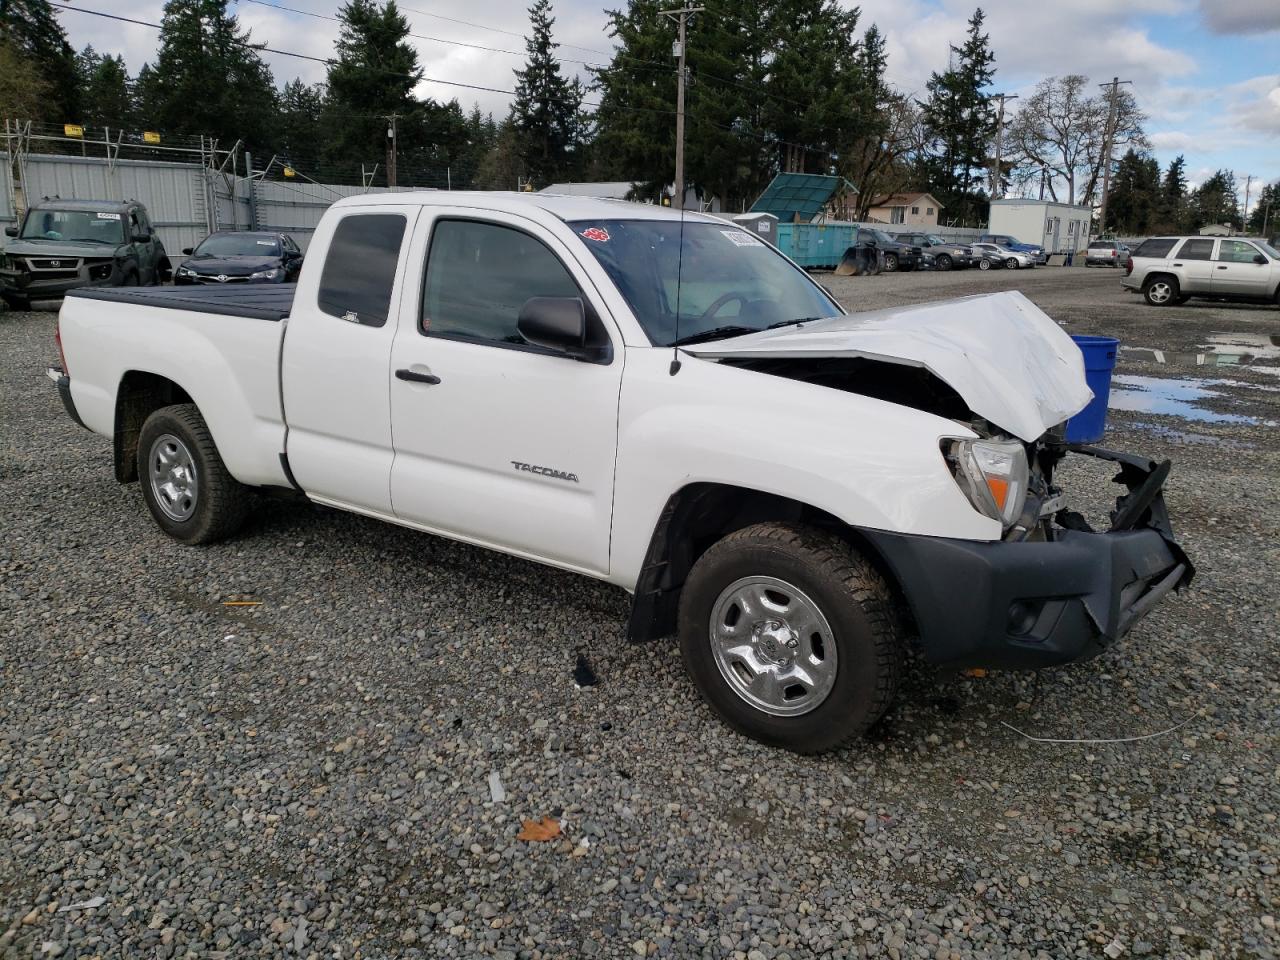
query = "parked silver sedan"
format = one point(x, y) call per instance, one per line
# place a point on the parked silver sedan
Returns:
point(990, 255)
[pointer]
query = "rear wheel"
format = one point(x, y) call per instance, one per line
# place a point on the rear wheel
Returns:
point(1161, 291)
point(790, 636)
point(984, 264)
point(890, 262)
point(1012, 263)
point(943, 262)
point(185, 484)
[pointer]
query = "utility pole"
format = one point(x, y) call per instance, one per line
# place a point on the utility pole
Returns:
point(1244, 214)
point(681, 17)
point(996, 173)
point(1110, 132)
point(391, 148)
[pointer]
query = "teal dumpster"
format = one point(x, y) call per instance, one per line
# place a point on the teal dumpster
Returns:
point(817, 245)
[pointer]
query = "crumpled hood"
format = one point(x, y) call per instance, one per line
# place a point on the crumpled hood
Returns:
point(58, 249)
point(1010, 363)
point(231, 266)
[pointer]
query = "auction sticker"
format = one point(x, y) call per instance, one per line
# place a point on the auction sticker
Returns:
point(740, 239)
point(598, 234)
point(108, 216)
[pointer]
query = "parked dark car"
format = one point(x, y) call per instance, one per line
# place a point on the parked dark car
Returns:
point(946, 255)
point(897, 255)
point(241, 256)
point(64, 244)
point(1010, 242)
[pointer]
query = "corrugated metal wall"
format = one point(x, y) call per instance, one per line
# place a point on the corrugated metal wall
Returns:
point(7, 215)
point(296, 208)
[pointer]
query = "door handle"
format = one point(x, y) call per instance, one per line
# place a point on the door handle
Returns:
point(1222, 268)
point(415, 377)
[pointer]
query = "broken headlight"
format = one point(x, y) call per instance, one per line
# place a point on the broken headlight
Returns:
point(993, 474)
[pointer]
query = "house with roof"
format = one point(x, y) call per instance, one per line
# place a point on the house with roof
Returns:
point(912, 209)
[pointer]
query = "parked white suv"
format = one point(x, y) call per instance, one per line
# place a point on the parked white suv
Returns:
point(662, 402)
point(1170, 270)
point(1109, 253)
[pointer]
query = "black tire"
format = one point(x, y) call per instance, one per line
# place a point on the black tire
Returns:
point(1184, 297)
point(848, 592)
point(890, 262)
point(943, 262)
point(219, 503)
point(130, 279)
point(984, 264)
point(16, 302)
point(1161, 290)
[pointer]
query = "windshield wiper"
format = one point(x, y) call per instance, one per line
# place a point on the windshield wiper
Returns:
point(715, 333)
point(794, 323)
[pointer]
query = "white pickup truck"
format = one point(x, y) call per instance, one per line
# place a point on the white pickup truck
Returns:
point(665, 403)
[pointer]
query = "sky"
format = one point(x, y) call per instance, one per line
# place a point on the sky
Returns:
point(1206, 72)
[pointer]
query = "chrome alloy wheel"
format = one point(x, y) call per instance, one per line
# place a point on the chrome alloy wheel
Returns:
point(773, 646)
point(1160, 292)
point(174, 483)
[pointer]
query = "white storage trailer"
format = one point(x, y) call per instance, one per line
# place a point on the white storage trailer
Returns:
point(1058, 227)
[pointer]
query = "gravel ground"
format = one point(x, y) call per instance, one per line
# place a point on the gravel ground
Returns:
point(311, 776)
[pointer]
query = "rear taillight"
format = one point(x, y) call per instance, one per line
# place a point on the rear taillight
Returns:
point(57, 336)
point(1128, 266)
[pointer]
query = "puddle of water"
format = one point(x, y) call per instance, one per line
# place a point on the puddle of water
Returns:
point(1175, 398)
point(1220, 350)
point(1194, 439)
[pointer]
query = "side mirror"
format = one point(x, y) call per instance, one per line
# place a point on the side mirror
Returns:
point(188, 251)
point(557, 323)
point(141, 238)
point(1259, 259)
point(10, 231)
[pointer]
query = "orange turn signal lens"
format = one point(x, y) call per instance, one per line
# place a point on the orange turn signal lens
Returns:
point(999, 487)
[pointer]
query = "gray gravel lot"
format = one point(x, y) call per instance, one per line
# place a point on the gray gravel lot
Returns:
point(310, 776)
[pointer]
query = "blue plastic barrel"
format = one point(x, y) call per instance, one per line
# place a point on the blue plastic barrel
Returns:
point(1089, 424)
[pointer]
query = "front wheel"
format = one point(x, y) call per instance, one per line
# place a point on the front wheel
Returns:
point(1160, 291)
point(943, 262)
point(185, 484)
point(984, 264)
point(1012, 263)
point(790, 636)
point(890, 262)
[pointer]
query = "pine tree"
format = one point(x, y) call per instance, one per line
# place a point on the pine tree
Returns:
point(1214, 201)
point(207, 78)
point(547, 108)
point(1171, 213)
point(1135, 195)
point(104, 89)
point(1265, 216)
point(300, 128)
point(961, 121)
point(24, 92)
point(30, 28)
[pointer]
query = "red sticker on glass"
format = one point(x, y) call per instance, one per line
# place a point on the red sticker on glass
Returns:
point(598, 234)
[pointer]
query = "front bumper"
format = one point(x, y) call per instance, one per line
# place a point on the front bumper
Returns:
point(53, 283)
point(1039, 604)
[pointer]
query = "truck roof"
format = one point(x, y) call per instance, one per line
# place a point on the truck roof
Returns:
point(89, 206)
point(561, 206)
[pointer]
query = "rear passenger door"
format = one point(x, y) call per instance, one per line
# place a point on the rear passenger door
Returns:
point(500, 442)
point(337, 347)
point(1195, 258)
point(1236, 272)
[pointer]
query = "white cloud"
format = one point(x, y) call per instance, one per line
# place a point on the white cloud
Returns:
point(1241, 16)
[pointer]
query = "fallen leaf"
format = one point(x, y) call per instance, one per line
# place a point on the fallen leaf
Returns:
point(975, 672)
point(540, 830)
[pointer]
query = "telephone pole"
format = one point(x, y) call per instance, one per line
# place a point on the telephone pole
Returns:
point(681, 17)
point(1244, 214)
point(391, 148)
point(1110, 132)
point(996, 172)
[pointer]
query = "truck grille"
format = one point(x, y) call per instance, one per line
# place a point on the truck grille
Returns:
point(55, 263)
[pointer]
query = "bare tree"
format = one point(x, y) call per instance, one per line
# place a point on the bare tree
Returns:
point(1061, 128)
point(879, 165)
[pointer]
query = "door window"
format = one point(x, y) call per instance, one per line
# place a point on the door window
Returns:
point(1197, 250)
point(360, 268)
point(479, 275)
point(1236, 251)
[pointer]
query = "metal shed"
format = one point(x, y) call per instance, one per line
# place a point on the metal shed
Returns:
point(800, 197)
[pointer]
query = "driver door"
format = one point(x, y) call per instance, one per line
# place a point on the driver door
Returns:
point(499, 442)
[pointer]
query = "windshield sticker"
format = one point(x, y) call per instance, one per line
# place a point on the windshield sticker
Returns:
point(108, 216)
point(598, 234)
point(740, 239)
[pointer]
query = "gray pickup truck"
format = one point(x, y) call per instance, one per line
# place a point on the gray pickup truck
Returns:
point(64, 244)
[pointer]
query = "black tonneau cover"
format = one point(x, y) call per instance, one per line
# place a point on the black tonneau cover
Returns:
point(257, 301)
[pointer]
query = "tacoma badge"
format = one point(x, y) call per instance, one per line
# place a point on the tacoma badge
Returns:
point(545, 471)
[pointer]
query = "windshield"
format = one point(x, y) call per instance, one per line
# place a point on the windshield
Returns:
point(1268, 249)
point(881, 236)
point(728, 283)
point(934, 239)
point(77, 225)
point(238, 245)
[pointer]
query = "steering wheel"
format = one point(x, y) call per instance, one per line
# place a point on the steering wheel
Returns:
point(712, 310)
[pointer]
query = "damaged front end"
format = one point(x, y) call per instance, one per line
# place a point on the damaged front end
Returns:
point(1054, 589)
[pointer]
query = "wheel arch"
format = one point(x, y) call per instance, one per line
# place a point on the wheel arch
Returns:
point(139, 394)
point(700, 514)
